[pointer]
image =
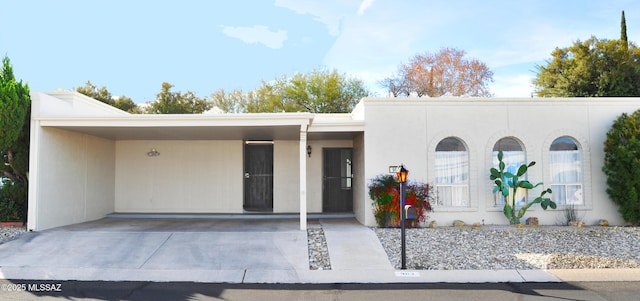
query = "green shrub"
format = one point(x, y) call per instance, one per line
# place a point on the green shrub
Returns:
point(622, 165)
point(13, 206)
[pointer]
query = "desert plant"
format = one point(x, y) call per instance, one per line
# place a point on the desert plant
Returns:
point(571, 214)
point(507, 184)
point(384, 191)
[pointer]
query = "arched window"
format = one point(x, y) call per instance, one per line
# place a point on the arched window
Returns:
point(513, 157)
point(566, 172)
point(452, 173)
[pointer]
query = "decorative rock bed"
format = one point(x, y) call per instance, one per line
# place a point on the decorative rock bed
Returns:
point(507, 247)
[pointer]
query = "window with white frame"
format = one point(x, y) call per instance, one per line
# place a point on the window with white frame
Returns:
point(565, 165)
point(452, 173)
point(513, 156)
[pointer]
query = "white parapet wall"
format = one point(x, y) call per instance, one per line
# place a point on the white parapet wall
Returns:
point(407, 131)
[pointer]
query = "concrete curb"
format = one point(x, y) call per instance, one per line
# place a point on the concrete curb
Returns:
point(586, 275)
point(277, 276)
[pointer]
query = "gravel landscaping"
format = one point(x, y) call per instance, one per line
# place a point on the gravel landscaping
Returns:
point(318, 251)
point(507, 247)
point(10, 233)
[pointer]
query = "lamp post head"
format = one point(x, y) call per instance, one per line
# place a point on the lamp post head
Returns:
point(402, 174)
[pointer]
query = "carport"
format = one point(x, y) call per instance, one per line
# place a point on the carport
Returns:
point(89, 160)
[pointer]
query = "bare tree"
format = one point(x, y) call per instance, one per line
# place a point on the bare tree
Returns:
point(436, 74)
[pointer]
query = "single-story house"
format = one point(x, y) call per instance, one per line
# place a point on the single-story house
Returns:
point(89, 159)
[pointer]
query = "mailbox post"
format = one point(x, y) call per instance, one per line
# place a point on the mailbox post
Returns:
point(402, 178)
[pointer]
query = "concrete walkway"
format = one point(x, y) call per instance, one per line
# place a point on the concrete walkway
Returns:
point(223, 250)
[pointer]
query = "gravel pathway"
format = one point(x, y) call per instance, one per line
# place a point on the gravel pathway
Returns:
point(506, 247)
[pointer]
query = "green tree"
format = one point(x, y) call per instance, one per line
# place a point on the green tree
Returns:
point(15, 115)
point(169, 102)
point(319, 91)
point(232, 102)
point(622, 165)
point(591, 68)
point(102, 94)
point(623, 30)
point(436, 74)
point(322, 91)
point(269, 97)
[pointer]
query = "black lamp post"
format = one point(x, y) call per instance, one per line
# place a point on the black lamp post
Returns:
point(402, 178)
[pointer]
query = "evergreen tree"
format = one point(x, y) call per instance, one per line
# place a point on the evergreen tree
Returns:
point(622, 167)
point(623, 30)
point(15, 115)
point(593, 68)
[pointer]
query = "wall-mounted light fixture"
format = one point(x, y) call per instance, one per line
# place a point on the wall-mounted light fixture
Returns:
point(309, 151)
point(153, 153)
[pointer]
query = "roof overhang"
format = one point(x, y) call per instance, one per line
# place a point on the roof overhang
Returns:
point(260, 126)
point(335, 126)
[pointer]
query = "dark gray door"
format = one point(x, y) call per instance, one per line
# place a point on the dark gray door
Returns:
point(258, 177)
point(337, 195)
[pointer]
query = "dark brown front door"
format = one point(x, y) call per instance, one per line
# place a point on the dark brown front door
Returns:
point(258, 177)
point(337, 195)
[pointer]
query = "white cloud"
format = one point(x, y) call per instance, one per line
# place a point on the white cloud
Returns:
point(375, 44)
point(363, 6)
point(533, 44)
point(329, 12)
point(257, 34)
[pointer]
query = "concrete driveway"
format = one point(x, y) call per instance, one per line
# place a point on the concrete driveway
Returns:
point(207, 250)
point(217, 250)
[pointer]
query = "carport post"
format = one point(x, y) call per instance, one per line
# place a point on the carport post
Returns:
point(303, 177)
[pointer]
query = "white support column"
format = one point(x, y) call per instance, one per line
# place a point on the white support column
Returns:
point(303, 177)
point(34, 150)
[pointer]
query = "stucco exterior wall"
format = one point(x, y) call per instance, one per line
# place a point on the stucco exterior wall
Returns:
point(76, 178)
point(187, 176)
point(407, 131)
point(286, 194)
point(286, 169)
point(315, 170)
point(360, 191)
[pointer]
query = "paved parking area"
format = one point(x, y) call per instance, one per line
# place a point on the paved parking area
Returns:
point(213, 249)
point(217, 250)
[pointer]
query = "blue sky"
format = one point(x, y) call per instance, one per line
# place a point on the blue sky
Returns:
point(131, 47)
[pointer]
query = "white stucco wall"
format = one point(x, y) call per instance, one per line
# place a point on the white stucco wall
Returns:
point(360, 191)
point(70, 103)
point(314, 170)
point(75, 178)
point(205, 182)
point(286, 195)
point(408, 130)
point(188, 176)
point(286, 170)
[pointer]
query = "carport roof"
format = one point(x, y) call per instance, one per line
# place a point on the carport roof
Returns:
point(186, 127)
point(68, 111)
